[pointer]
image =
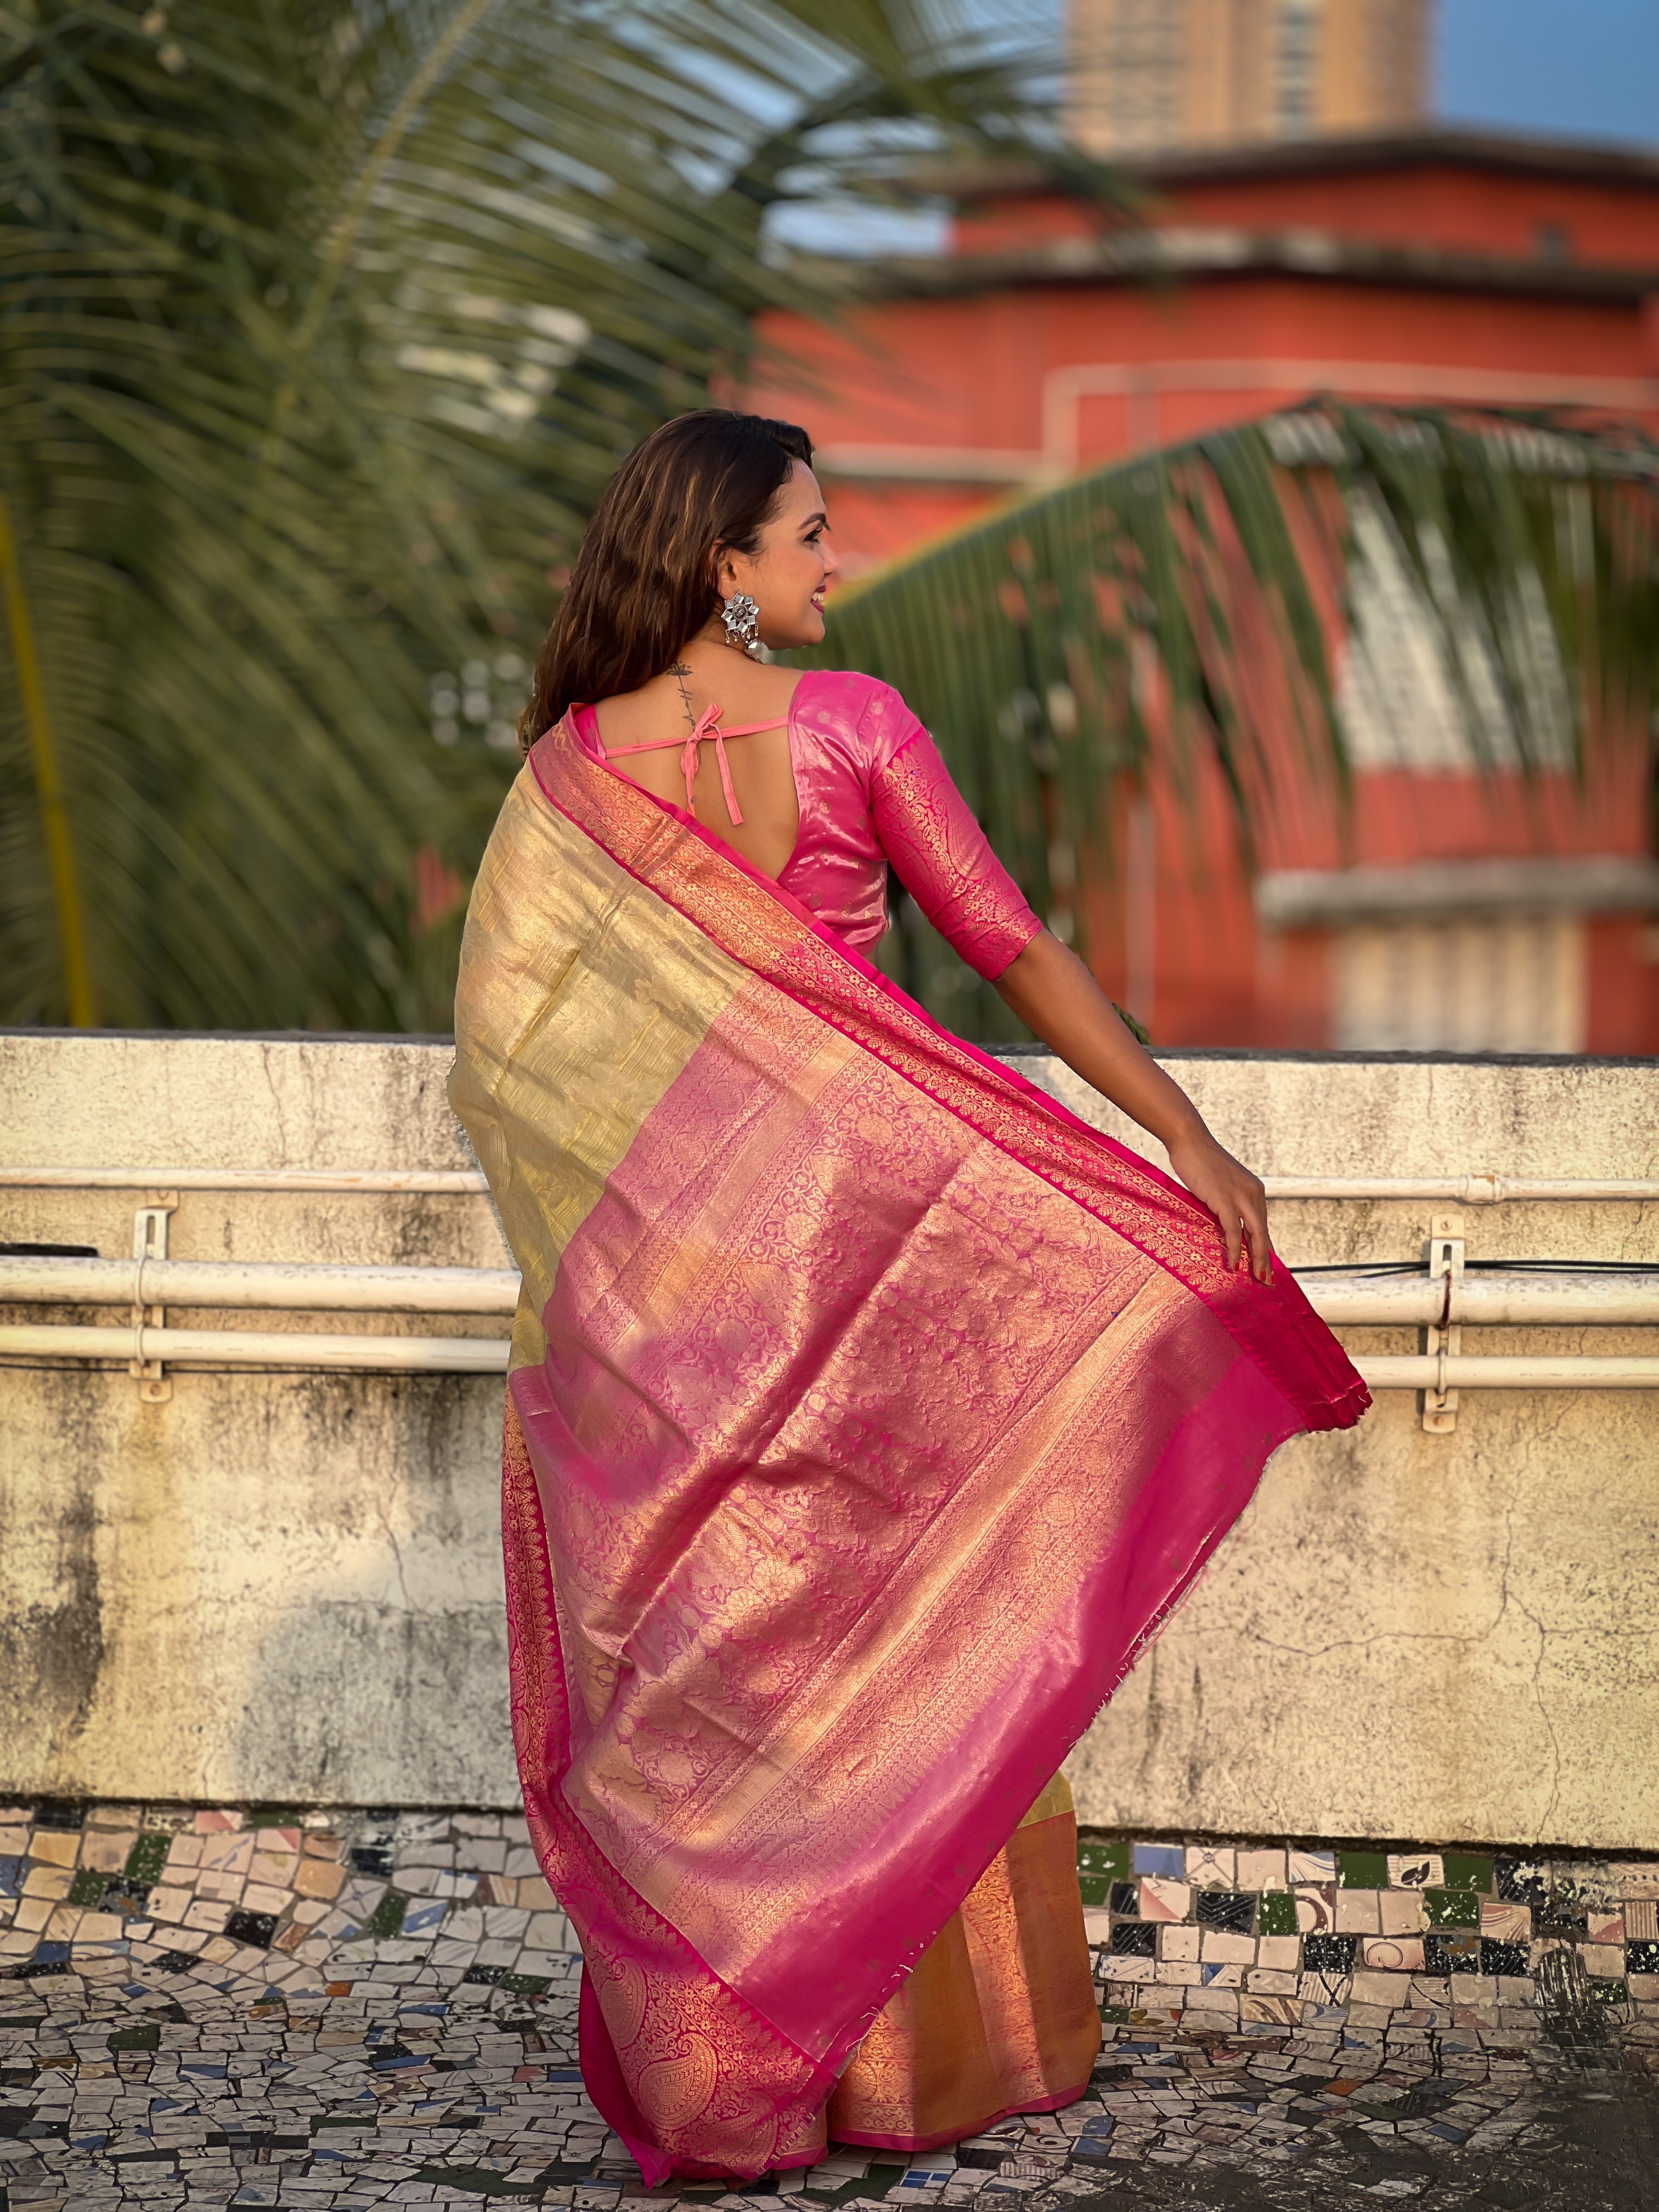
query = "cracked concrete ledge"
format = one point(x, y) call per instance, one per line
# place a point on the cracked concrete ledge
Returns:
point(288, 1587)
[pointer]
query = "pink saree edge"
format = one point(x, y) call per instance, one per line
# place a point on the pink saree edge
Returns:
point(602, 2078)
point(557, 1833)
point(1341, 1410)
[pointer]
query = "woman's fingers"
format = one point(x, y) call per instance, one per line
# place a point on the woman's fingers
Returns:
point(1249, 1208)
point(1243, 1215)
point(1255, 1222)
point(1233, 1195)
point(1230, 1228)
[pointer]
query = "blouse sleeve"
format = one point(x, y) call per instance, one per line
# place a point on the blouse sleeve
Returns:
point(945, 861)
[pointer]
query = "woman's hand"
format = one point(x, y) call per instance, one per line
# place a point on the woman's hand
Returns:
point(1232, 1193)
point(1054, 994)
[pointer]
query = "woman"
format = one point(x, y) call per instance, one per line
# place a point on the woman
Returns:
point(867, 1412)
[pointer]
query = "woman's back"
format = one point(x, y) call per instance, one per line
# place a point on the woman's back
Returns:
point(650, 727)
point(838, 783)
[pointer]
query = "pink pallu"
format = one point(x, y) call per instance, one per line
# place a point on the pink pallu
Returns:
point(868, 1414)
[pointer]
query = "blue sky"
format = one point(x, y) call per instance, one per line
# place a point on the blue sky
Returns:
point(1588, 69)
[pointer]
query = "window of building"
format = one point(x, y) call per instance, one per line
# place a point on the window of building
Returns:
point(1397, 697)
point(1296, 74)
point(1501, 982)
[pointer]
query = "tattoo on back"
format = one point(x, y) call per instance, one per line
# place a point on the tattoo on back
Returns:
point(679, 672)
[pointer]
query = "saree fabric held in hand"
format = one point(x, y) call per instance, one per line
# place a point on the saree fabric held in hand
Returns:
point(867, 1414)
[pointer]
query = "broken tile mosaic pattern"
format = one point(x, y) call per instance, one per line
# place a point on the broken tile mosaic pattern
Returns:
point(222, 2007)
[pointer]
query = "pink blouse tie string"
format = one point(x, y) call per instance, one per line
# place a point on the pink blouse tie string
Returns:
point(708, 725)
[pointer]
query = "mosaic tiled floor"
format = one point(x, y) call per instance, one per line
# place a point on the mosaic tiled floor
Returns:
point(275, 2009)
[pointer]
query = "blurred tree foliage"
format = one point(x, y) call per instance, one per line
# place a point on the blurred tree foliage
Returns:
point(323, 325)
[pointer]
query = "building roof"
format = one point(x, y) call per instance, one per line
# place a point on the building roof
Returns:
point(1515, 153)
point(1222, 250)
point(1124, 249)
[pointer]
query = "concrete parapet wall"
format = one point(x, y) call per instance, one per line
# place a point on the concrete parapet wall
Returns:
point(275, 1587)
point(286, 1587)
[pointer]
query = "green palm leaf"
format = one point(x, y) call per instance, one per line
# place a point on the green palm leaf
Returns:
point(1196, 605)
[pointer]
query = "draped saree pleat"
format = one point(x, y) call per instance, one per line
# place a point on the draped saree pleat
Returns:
point(999, 2015)
point(868, 1414)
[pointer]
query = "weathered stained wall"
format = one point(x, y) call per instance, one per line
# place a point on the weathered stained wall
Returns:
point(287, 1587)
point(277, 1586)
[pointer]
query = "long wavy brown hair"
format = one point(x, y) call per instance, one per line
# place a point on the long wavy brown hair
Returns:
point(644, 582)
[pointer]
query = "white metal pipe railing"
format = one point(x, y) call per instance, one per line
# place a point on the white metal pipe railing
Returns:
point(1529, 1298)
point(423, 1180)
point(219, 1347)
point(488, 1356)
point(1457, 1371)
point(1489, 1297)
point(1465, 1189)
point(1478, 1190)
point(271, 1286)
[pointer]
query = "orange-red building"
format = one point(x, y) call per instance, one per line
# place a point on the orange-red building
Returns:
point(1442, 909)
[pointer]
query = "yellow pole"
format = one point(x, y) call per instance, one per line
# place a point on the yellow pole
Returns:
point(71, 937)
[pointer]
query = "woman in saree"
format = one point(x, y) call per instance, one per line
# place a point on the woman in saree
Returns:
point(867, 1413)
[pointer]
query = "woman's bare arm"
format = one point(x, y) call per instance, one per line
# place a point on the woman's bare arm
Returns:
point(1056, 997)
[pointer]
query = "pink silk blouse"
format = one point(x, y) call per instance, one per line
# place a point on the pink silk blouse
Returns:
point(874, 790)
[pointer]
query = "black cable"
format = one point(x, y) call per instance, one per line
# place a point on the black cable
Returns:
point(1575, 1267)
point(1365, 1268)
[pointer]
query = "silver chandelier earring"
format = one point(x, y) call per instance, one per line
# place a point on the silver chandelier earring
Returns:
point(741, 615)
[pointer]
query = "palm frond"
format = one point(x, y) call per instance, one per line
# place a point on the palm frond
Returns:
point(320, 331)
point(1246, 602)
